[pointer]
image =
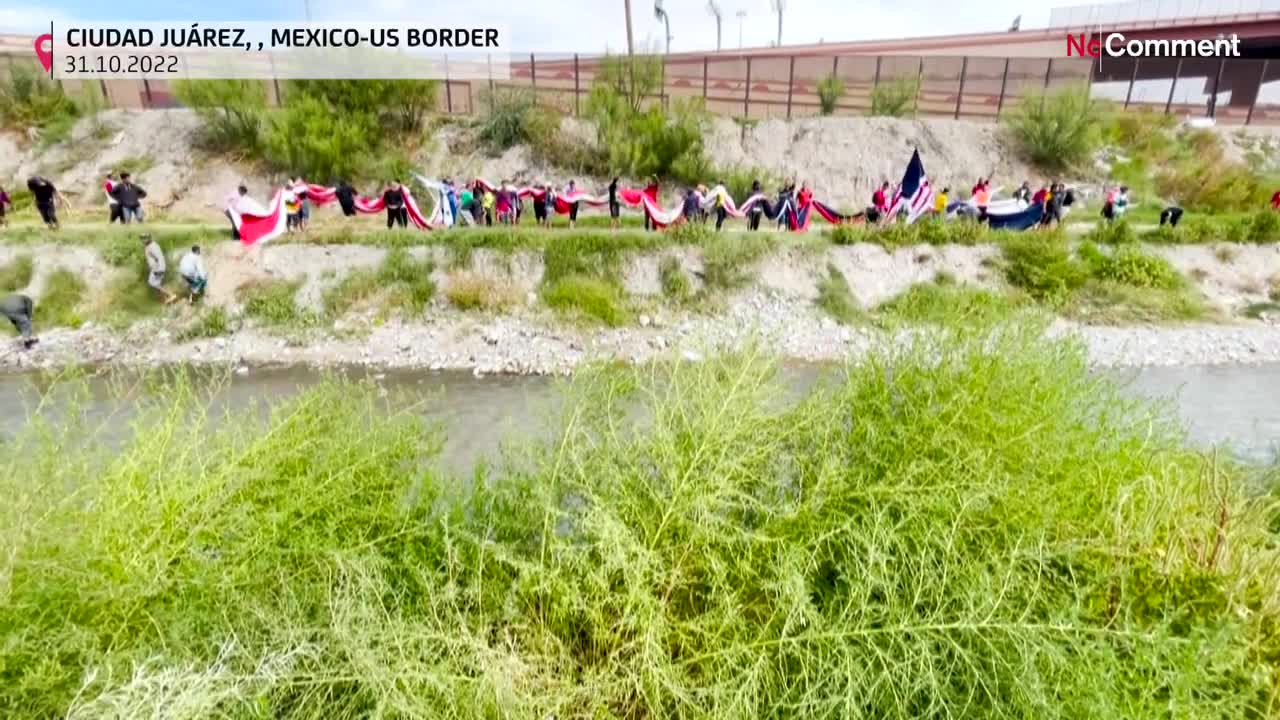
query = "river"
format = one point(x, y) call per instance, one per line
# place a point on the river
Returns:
point(1236, 407)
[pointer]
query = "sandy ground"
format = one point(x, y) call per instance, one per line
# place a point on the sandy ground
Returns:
point(778, 308)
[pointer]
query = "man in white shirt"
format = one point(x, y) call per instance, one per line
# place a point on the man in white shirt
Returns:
point(239, 203)
point(156, 267)
point(191, 268)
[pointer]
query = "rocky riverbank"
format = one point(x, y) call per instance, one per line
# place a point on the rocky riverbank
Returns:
point(531, 345)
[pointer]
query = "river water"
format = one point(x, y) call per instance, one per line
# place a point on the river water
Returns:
point(1236, 407)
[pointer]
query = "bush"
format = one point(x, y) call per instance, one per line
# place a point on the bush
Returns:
point(944, 303)
point(400, 281)
point(588, 296)
point(472, 291)
point(837, 300)
point(273, 303)
point(1130, 266)
point(727, 262)
point(739, 179)
point(1059, 129)
point(896, 98)
point(676, 286)
point(16, 274)
point(971, 525)
point(689, 232)
point(29, 99)
point(232, 111)
point(1043, 267)
point(642, 142)
point(60, 302)
point(830, 90)
point(310, 138)
point(1112, 233)
point(505, 122)
point(399, 106)
point(212, 322)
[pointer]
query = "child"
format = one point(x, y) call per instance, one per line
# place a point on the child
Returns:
point(292, 208)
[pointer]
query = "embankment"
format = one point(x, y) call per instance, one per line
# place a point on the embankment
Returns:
point(337, 310)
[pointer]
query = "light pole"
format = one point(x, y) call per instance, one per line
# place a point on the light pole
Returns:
point(713, 8)
point(631, 48)
point(741, 14)
point(778, 7)
point(661, 14)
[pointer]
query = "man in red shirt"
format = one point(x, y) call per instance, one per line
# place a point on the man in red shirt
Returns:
point(1275, 200)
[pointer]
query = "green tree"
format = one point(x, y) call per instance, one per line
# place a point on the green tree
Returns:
point(399, 105)
point(232, 110)
point(308, 137)
point(30, 99)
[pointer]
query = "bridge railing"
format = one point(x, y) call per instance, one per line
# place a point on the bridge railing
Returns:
point(751, 87)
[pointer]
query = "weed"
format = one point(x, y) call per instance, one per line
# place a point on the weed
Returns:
point(16, 274)
point(467, 290)
point(727, 261)
point(273, 303)
point(676, 286)
point(210, 323)
point(835, 298)
point(587, 296)
point(945, 303)
point(60, 302)
point(1225, 254)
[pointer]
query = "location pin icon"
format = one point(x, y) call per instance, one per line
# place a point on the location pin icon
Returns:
point(44, 51)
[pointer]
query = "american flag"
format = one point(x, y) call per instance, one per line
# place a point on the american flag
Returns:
point(914, 193)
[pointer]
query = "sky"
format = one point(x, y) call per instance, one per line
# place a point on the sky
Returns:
point(582, 26)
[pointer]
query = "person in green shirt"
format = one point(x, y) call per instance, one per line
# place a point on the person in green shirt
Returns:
point(464, 204)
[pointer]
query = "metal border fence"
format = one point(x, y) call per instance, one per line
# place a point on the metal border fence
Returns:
point(755, 87)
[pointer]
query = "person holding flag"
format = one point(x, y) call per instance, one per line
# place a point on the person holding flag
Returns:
point(913, 197)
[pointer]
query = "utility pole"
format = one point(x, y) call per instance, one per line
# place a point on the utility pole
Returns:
point(713, 8)
point(306, 8)
point(778, 7)
point(661, 14)
point(631, 48)
point(741, 14)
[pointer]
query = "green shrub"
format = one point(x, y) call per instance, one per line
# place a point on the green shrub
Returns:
point(16, 274)
point(1118, 232)
point(1128, 265)
point(231, 110)
point(851, 234)
point(59, 304)
point(473, 291)
point(1059, 129)
point(896, 98)
point(689, 232)
point(1043, 267)
point(588, 296)
point(728, 262)
point(642, 142)
point(738, 180)
point(830, 90)
point(676, 286)
point(505, 119)
point(969, 525)
point(1107, 302)
point(212, 322)
point(1264, 226)
point(945, 303)
point(29, 99)
point(310, 138)
point(835, 298)
point(399, 106)
point(401, 281)
point(273, 303)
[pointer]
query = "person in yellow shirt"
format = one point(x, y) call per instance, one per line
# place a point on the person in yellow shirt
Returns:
point(940, 201)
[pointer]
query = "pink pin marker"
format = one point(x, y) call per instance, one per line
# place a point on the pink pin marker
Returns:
point(44, 51)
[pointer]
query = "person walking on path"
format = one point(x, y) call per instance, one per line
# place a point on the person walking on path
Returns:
point(20, 311)
point(129, 196)
point(393, 199)
point(753, 217)
point(156, 267)
point(615, 209)
point(570, 190)
point(191, 268)
point(47, 199)
point(346, 198)
point(5, 204)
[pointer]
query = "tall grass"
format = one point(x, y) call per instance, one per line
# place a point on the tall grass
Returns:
point(16, 274)
point(974, 526)
point(836, 299)
point(1058, 129)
